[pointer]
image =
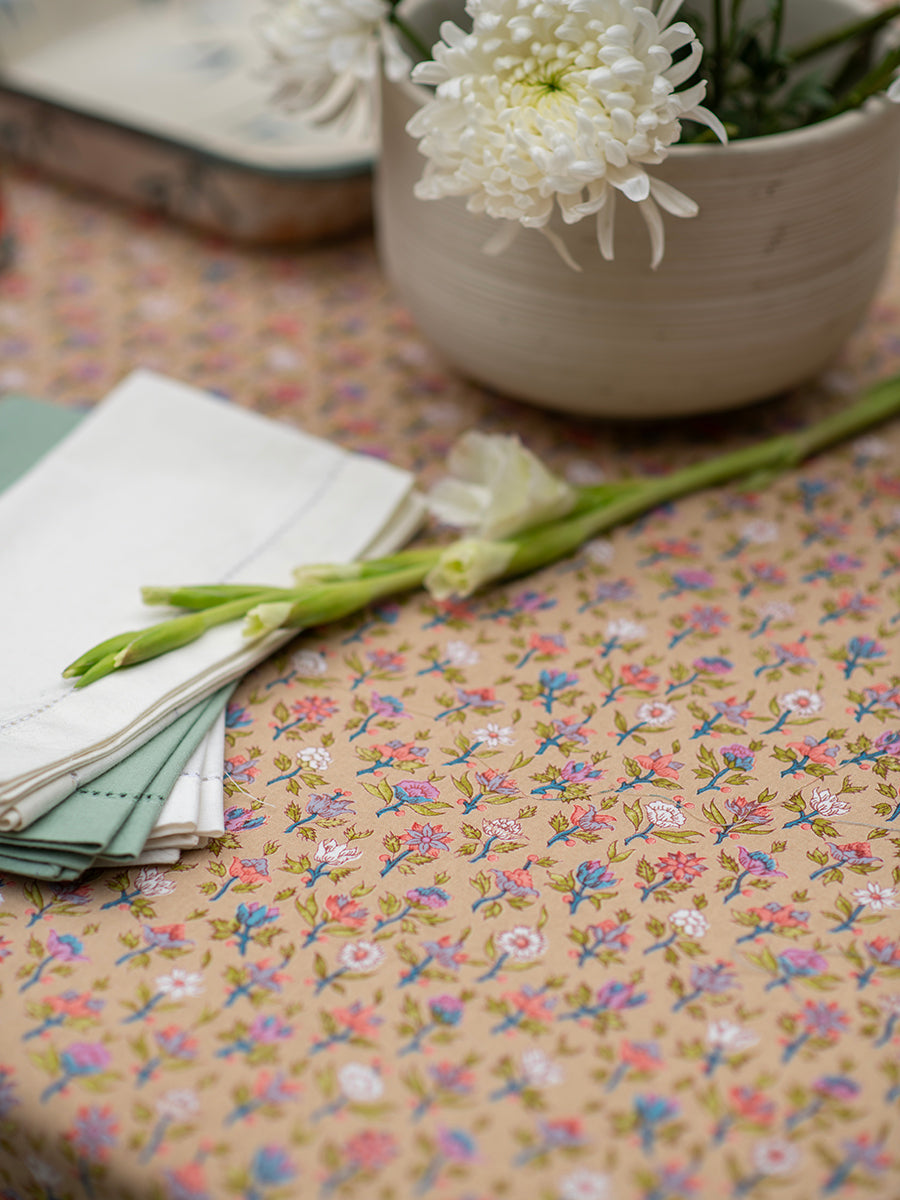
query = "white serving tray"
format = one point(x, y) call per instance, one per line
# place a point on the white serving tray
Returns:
point(166, 103)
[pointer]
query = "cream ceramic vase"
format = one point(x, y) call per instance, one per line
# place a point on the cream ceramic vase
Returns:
point(754, 295)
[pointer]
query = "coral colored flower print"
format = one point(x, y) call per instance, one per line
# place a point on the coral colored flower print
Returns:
point(94, 1132)
point(681, 866)
point(241, 769)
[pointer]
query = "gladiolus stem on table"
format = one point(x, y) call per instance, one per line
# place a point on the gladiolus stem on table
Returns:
point(329, 593)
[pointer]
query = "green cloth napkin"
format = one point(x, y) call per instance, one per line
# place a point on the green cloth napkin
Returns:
point(114, 813)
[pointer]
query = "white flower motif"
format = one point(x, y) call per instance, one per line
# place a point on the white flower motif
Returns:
point(584, 1185)
point(438, 412)
point(890, 1003)
point(309, 664)
point(759, 532)
point(12, 378)
point(177, 1105)
point(539, 1069)
point(497, 487)
point(775, 1157)
point(336, 854)
point(325, 55)
point(691, 922)
point(360, 1083)
point(461, 654)
point(729, 1037)
point(656, 713)
point(316, 758)
point(600, 551)
point(521, 943)
point(584, 472)
point(283, 358)
point(559, 101)
point(801, 701)
point(624, 630)
point(361, 956)
point(827, 804)
point(875, 447)
point(663, 815)
point(502, 827)
point(179, 984)
point(494, 735)
point(777, 610)
point(151, 881)
point(465, 566)
point(876, 897)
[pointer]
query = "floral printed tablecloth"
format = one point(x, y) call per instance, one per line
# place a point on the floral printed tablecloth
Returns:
point(586, 889)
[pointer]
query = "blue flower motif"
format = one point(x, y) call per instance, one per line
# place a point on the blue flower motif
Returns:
point(272, 1166)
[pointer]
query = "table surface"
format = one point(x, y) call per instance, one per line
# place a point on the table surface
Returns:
point(605, 904)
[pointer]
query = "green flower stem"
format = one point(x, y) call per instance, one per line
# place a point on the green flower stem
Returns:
point(128, 649)
point(423, 53)
point(846, 33)
point(540, 546)
point(719, 56)
point(332, 601)
point(870, 85)
point(205, 596)
point(598, 509)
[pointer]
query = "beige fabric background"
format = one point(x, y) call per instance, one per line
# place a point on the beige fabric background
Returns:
point(693, 993)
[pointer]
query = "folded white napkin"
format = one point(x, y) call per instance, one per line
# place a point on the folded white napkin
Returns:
point(194, 811)
point(165, 485)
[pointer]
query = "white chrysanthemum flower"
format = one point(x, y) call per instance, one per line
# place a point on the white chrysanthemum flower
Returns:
point(326, 55)
point(559, 103)
point(497, 487)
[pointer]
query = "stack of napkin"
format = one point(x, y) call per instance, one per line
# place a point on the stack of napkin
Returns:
point(160, 485)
